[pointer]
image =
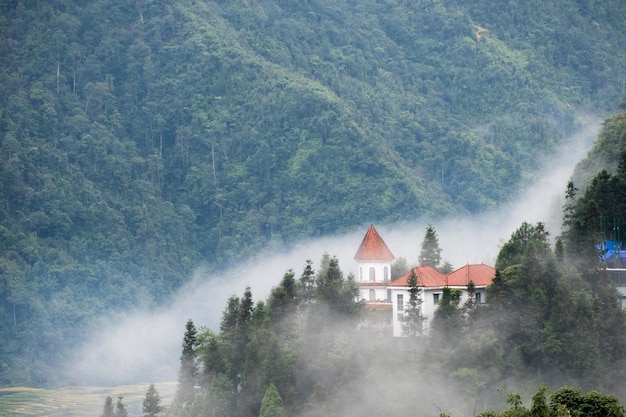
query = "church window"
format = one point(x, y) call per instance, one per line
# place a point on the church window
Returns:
point(372, 273)
point(386, 273)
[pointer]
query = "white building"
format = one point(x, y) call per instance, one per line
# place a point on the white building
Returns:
point(386, 300)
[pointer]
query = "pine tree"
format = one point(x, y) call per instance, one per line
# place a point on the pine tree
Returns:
point(187, 374)
point(108, 410)
point(120, 410)
point(399, 267)
point(272, 404)
point(413, 324)
point(447, 321)
point(430, 254)
point(152, 402)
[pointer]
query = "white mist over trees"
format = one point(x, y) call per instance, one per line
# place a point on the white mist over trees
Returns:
point(152, 337)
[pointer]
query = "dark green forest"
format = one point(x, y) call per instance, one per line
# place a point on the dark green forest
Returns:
point(142, 139)
point(553, 320)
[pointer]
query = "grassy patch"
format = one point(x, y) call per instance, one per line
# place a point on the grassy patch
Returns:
point(76, 401)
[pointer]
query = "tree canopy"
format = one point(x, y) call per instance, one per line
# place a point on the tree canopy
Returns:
point(140, 139)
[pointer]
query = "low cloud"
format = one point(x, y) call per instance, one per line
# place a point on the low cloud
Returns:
point(145, 346)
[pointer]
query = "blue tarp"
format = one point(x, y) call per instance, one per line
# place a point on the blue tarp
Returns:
point(612, 253)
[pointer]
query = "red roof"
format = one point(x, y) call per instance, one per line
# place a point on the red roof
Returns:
point(373, 248)
point(480, 274)
point(426, 277)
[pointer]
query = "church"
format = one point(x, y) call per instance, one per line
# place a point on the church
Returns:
point(385, 299)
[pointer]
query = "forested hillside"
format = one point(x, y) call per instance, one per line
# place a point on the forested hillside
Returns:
point(140, 139)
point(551, 320)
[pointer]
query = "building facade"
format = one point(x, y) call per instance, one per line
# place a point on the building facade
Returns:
point(386, 299)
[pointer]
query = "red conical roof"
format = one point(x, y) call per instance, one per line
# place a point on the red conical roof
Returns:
point(373, 248)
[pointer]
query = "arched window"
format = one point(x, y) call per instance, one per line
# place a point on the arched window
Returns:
point(372, 273)
point(360, 273)
point(372, 295)
point(386, 273)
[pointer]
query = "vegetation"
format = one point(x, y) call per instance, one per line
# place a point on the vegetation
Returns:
point(430, 254)
point(553, 319)
point(140, 139)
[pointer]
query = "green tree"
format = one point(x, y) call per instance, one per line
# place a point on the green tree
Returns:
point(272, 404)
point(430, 254)
point(447, 322)
point(335, 294)
point(399, 267)
point(187, 375)
point(413, 323)
point(152, 402)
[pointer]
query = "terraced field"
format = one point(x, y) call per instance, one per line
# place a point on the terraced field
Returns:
point(77, 401)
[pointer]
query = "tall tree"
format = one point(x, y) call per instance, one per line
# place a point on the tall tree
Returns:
point(447, 322)
point(108, 410)
point(430, 254)
point(120, 409)
point(413, 324)
point(272, 404)
point(399, 267)
point(152, 402)
point(187, 374)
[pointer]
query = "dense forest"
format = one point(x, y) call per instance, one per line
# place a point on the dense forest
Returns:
point(141, 139)
point(553, 321)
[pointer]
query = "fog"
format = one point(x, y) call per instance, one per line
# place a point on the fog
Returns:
point(145, 346)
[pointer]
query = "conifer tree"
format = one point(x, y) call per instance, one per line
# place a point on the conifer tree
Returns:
point(187, 374)
point(399, 267)
point(306, 284)
point(413, 324)
point(108, 410)
point(120, 410)
point(152, 402)
point(272, 404)
point(430, 254)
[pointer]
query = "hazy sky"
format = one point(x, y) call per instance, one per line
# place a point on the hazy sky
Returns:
point(145, 346)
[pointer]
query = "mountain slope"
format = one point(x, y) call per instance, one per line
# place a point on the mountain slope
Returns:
point(141, 139)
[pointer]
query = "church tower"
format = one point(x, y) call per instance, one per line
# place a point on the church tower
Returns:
point(374, 266)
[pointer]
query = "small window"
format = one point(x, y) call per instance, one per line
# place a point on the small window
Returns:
point(372, 273)
point(478, 298)
point(400, 302)
point(386, 273)
point(372, 295)
point(436, 299)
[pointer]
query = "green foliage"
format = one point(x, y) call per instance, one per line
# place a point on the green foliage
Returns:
point(447, 322)
point(399, 267)
point(430, 254)
point(140, 139)
point(187, 375)
point(566, 401)
point(413, 323)
point(272, 404)
point(152, 402)
point(300, 339)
